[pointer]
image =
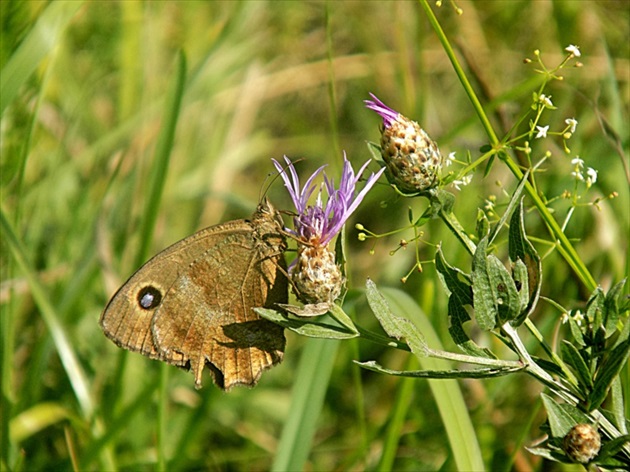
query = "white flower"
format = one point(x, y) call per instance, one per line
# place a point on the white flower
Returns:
point(591, 176)
point(449, 159)
point(576, 316)
point(578, 175)
point(577, 162)
point(465, 180)
point(575, 50)
point(545, 100)
point(571, 122)
point(542, 131)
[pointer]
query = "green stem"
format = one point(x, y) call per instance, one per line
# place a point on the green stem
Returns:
point(556, 359)
point(534, 369)
point(565, 248)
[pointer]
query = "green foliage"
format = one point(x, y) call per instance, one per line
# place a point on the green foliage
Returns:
point(112, 147)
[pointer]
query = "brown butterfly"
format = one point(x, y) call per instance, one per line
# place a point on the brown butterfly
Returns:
point(192, 304)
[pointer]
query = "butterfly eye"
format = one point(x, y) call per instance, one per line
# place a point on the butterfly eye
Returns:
point(149, 297)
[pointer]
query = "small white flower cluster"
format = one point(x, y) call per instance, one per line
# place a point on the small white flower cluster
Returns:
point(578, 166)
point(577, 316)
point(546, 100)
point(572, 123)
point(542, 131)
point(459, 183)
point(573, 50)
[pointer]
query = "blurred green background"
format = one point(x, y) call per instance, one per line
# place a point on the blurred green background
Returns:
point(85, 89)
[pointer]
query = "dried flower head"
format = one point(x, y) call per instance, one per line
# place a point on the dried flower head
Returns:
point(315, 274)
point(582, 443)
point(412, 159)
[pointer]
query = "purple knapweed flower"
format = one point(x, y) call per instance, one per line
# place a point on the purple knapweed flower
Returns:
point(321, 222)
point(412, 159)
point(315, 275)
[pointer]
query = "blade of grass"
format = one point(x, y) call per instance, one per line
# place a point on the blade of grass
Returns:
point(159, 167)
point(38, 43)
point(402, 403)
point(564, 246)
point(69, 359)
point(64, 347)
point(446, 393)
point(313, 376)
point(156, 187)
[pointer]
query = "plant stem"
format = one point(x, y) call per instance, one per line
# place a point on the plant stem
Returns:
point(564, 246)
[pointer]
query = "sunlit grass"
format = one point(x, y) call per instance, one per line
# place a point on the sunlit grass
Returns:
point(90, 190)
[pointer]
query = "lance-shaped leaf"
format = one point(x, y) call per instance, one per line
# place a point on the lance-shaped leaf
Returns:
point(521, 280)
point(482, 228)
point(514, 201)
point(521, 249)
point(482, 373)
point(457, 316)
point(455, 282)
point(572, 357)
point(457, 285)
point(611, 308)
point(562, 417)
point(486, 312)
point(505, 295)
point(306, 327)
point(395, 326)
point(609, 369)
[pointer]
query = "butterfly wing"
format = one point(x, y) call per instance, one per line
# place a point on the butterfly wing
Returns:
point(220, 329)
point(125, 321)
point(191, 305)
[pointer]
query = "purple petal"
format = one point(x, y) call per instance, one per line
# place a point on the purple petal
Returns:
point(389, 115)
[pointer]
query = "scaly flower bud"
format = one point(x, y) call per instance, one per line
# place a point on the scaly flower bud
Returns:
point(582, 443)
point(315, 275)
point(412, 159)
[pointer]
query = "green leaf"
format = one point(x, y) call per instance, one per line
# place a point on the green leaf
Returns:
point(519, 274)
point(618, 405)
point(395, 326)
point(572, 357)
point(447, 392)
point(521, 249)
point(342, 318)
point(306, 327)
point(307, 400)
point(610, 448)
point(455, 282)
point(546, 454)
point(44, 36)
point(576, 332)
point(482, 373)
point(514, 201)
point(457, 317)
point(160, 166)
point(607, 372)
point(562, 417)
point(506, 297)
point(484, 301)
point(611, 308)
point(483, 226)
point(595, 316)
point(375, 150)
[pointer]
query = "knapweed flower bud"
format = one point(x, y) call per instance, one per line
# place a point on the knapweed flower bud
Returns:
point(582, 443)
point(412, 158)
point(316, 276)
